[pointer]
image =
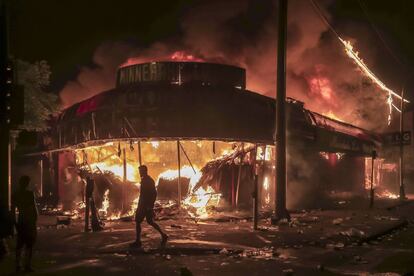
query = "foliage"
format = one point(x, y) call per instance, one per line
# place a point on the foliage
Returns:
point(39, 104)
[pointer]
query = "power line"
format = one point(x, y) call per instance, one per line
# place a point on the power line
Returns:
point(318, 10)
point(354, 55)
point(378, 33)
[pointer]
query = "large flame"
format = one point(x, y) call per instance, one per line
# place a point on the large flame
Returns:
point(379, 165)
point(105, 204)
point(185, 171)
point(181, 56)
point(266, 188)
point(200, 200)
point(110, 157)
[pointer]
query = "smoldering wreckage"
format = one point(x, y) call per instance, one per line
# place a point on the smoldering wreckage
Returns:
point(205, 139)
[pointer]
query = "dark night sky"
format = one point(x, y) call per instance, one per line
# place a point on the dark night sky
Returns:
point(395, 21)
point(66, 32)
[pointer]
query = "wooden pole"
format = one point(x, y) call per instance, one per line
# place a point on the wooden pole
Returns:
point(371, 202)
point(188, 158)
point(125, 177)
point(179, 172)
point(41, 176)
point(139, 153)
point(232, 185)
point(93, 125)
point(239, 176)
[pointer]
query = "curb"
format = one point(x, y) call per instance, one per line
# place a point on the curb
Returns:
point(403, 203)
point(384, 232)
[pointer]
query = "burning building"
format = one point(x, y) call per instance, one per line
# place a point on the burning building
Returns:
point(203, 137)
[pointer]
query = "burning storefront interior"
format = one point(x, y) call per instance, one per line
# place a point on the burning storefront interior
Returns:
point(204, 138)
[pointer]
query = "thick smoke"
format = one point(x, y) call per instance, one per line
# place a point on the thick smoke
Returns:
point(93, 80)
point(244, 33)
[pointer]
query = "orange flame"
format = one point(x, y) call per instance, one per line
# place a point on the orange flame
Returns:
point(175, 56)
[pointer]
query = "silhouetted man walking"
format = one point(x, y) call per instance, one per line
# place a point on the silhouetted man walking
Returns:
point(26, 225)
point(145, 209)
point(90, 207)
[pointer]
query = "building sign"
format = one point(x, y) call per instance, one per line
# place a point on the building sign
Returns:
point(182, 72)
point(394, 138)
point(338, 142)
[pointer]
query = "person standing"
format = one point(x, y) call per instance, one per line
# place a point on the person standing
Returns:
point(145, 209)
point(90, 207)
point(24, 201)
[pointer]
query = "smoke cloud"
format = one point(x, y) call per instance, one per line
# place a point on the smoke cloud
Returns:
point(244, 33)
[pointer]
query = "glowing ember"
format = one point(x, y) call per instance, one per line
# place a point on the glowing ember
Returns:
point(155, 144)
point(266, 188)
point(105, 204)
point(332, 115)
point(114, 216)
point(387, 194)
point(264, 153)
point(200, 201)
point(76, 213)
point(331, 157)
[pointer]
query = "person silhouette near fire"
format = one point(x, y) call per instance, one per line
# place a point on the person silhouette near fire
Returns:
point(24, 201)
point(145, 209)
point(90, 208)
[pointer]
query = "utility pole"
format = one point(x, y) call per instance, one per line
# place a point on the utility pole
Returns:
point(401, 174)
point(280, 143)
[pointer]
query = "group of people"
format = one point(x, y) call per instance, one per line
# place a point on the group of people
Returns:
point(23, 200)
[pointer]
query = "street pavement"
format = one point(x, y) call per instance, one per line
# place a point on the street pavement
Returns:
point(347, 240)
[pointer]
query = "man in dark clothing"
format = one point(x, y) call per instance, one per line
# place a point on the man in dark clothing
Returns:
point(145, 209)
point(6, 229)
point(26, 225)
point(90, 207)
